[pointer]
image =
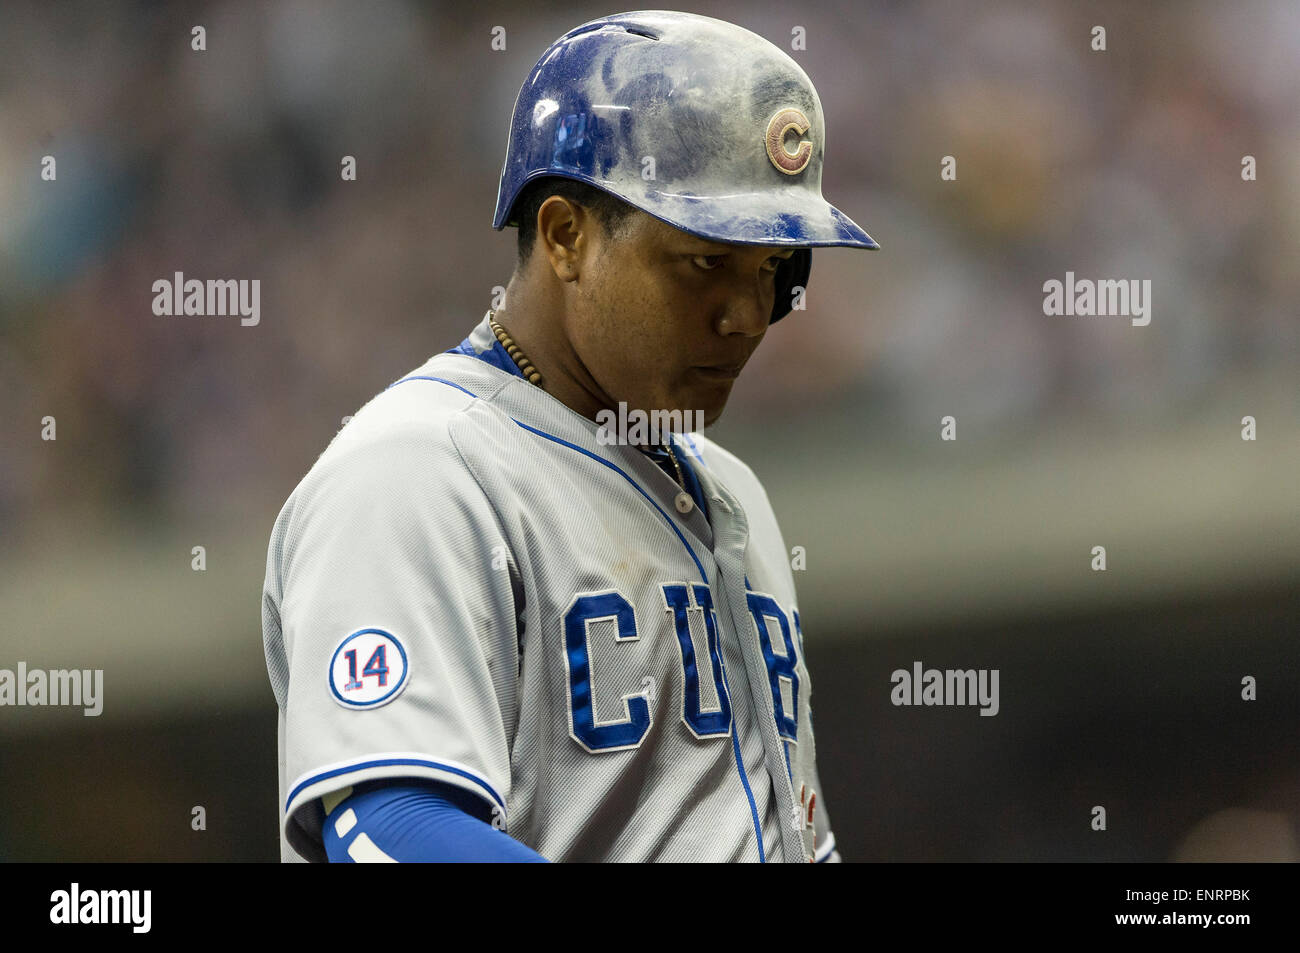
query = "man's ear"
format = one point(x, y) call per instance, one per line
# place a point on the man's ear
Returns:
point(564, 230)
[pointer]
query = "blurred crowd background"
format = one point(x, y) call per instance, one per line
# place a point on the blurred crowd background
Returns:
point(1120, 688)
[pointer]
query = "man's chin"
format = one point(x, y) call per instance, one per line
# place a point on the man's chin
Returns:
point(709, 402)
point(711, 414)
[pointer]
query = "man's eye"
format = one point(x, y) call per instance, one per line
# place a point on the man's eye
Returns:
point(699, 258)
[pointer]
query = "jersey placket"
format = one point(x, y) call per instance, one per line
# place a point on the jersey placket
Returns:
point(731, 536)
point(701, 532)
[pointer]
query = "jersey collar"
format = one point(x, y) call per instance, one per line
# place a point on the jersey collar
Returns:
point(483, 344)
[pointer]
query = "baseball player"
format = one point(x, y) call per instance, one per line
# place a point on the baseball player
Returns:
point(501, 627)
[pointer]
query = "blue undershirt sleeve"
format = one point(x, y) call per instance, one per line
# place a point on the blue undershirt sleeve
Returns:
point(415, 821)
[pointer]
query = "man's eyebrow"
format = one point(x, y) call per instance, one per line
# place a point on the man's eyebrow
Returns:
point(688, 239)
point(724, 247)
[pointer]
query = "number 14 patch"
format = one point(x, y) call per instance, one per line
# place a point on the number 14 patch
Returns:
point(369, 669)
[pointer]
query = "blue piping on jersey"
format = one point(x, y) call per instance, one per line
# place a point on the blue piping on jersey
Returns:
point(440, 380)
point(386, 762)
point(744, 779)
point(788, 770)
point(541, 433)
point(735, 734)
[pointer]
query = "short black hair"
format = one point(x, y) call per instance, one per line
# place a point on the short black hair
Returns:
point(610, 211)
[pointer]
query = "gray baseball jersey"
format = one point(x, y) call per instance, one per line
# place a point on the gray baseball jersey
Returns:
point(469, 586)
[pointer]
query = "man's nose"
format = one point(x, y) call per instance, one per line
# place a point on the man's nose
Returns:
point(749, 306)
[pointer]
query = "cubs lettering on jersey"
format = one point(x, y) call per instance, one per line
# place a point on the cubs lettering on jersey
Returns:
point(468, 586)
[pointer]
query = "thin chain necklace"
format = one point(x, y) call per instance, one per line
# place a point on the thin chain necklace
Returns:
point(684, 502)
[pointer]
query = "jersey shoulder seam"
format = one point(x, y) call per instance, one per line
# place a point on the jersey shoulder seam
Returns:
point(472, 471)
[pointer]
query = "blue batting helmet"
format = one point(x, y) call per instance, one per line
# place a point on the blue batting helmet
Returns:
point(696, 121)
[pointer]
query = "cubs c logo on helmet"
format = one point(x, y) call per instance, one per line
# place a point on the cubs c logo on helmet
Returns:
point(777, 127)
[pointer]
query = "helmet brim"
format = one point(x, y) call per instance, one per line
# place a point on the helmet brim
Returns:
point(790, 217)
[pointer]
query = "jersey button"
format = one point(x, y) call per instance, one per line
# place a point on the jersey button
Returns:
point(684, 502)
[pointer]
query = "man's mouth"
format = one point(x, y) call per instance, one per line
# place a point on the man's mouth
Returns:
point(720, 371)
